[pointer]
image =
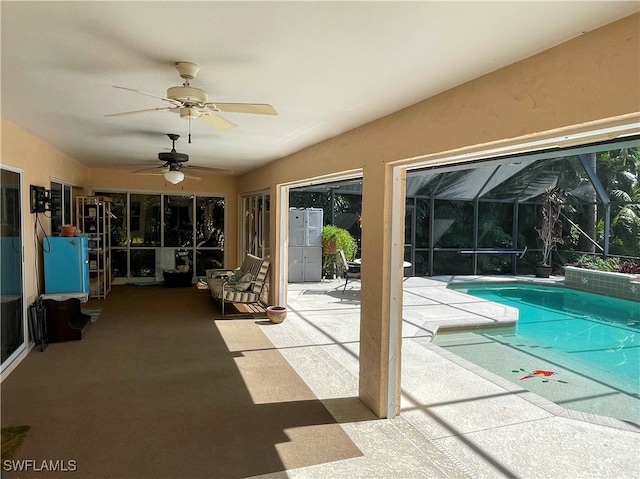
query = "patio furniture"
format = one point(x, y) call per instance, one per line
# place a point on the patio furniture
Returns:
point(244, 286)
point(250, 264)
point(65, 320)
point(351, 269)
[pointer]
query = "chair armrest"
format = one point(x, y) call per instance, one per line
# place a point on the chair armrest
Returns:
point(217, 273)
point(247, 286)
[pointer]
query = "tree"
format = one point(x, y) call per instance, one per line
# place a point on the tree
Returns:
point(619, 172)
point(550, 227)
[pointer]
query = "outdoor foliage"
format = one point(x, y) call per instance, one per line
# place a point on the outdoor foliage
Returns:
point(611, 264)
point(550, 228)
point(341, 239)
point(470, 209)
point(619, 172)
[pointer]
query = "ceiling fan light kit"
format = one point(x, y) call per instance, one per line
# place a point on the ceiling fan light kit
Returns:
point(174, 176)
point(189, 112)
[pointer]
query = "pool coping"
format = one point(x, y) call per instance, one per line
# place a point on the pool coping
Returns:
point(533, 398)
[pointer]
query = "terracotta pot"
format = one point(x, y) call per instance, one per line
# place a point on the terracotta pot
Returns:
point(69, 230)
point(542, 271)
point(331, 247)
point(276, 314)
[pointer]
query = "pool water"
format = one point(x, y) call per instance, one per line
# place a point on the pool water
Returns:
point(587, 345)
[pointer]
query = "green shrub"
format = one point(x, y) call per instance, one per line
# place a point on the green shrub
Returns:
point(597, 263)
point(344, 241)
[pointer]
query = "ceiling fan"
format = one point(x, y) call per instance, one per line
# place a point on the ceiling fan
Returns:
point(174, 163)
point(192, 102)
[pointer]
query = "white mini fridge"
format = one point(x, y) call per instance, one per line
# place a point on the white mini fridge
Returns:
point(305, 244)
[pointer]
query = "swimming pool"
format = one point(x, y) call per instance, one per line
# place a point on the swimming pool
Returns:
point(578, 349)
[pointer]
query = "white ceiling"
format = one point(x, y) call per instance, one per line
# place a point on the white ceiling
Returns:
point(327, 67)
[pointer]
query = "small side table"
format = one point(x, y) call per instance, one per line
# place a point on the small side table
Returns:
point(177, 279)
point(65, 319)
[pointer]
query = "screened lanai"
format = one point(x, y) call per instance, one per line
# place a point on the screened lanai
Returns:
point(481, 217)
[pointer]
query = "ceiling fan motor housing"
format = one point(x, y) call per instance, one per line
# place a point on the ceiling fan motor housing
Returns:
point(187, 94)
point(173, 157)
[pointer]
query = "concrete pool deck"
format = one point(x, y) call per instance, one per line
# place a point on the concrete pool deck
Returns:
point(456, 419)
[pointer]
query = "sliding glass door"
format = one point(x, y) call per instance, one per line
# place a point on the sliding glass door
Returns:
point(13, 314)
point(256, 210)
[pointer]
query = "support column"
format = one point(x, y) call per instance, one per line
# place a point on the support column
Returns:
point(381, 292)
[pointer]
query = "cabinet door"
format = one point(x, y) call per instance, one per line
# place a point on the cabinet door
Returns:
point(297, 226)
point(65, 265)
point(313, 263)
point(314, 227)
point(296, 264)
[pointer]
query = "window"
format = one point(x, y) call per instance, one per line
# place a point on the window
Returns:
point(61, 206)
point(149, 231)
point(255, 234)
point(209, 233)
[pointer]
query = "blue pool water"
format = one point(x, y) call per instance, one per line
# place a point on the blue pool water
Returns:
point(592, 335)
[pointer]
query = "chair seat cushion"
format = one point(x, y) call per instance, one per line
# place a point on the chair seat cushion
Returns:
point(215, 286)
point(243, 283)
point(239, 296)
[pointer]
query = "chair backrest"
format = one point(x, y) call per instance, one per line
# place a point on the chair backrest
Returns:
point(252, 264)
point(345, 265)
point(261, 277)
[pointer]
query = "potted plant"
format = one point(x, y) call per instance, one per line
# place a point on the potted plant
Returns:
point(549, 228)
point(334, 238)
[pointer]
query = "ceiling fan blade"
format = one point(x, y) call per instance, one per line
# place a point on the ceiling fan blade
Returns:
point(168, 108)
point(217, 122)
point(219, 171)
point(255, 108)
point(175, 102)
point(161, 173)
point(149, 171)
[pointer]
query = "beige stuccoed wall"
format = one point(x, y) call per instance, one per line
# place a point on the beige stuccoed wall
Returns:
point(588, 79)
point(39, 162)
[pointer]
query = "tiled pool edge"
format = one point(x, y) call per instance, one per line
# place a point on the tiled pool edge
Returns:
point(545, 404)
point(616, 285)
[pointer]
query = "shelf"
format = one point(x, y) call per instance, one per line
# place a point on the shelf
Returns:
point(93, 215)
